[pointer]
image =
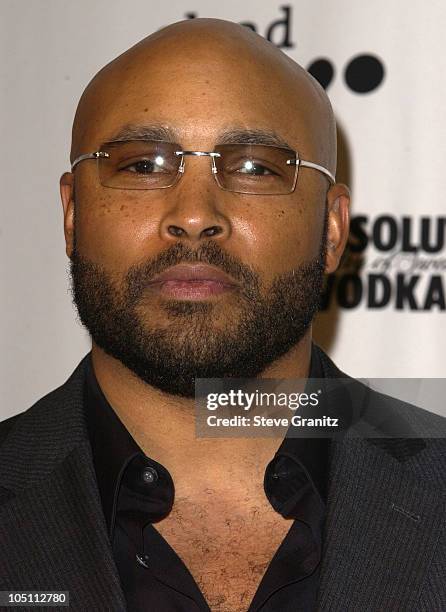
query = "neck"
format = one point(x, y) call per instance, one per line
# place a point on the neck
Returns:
point(163, 425)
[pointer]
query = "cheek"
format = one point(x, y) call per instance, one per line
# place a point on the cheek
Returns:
point(115, 231)
point(280, 237)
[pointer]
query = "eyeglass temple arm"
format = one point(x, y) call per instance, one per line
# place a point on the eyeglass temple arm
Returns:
point(94, 155)
point(308, 164)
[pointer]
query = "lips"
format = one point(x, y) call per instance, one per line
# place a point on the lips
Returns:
point(194, 273)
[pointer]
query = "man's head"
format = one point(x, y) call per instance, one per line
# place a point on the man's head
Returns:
point(201, 83)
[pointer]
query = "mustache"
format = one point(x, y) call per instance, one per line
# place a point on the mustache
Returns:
point(139, 276)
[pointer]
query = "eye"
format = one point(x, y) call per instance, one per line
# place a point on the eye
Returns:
point(145, 166)
point(253, 168)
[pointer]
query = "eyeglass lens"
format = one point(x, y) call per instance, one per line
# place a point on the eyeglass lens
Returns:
point(243, 168)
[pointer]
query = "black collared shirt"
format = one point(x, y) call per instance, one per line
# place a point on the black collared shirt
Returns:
point(136, 492)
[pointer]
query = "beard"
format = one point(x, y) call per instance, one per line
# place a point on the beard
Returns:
point(199, 339)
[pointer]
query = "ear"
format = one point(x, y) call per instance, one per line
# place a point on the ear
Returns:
point(338, 202)
point(67, 197)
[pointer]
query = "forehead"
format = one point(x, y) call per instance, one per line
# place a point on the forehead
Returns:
point(200, 92)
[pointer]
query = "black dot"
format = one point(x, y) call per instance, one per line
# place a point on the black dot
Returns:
point(364, 73)
point(322, 70)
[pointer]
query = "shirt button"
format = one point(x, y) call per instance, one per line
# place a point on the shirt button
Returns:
point(284, 474)
point(149, 475)
point(143, 559)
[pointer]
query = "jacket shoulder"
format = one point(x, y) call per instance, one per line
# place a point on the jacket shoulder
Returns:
point(7, 425)
point(41, 411)
point(390, 416)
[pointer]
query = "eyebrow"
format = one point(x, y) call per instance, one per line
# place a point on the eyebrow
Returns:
point(253, 136)
point(144, 132)
point(230, 136)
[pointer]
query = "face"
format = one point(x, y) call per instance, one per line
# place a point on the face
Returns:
point(273, 248)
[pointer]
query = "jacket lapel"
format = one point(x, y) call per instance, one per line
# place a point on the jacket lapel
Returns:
point(52, 530)
point(381, 531)
point(383, 519)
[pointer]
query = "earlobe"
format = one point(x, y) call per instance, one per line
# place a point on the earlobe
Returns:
point(67, 197)
point(338, 202)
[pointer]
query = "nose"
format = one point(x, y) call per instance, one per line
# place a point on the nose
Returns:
point(193, 207)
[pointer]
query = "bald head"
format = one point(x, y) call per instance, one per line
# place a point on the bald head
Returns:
point(189, 71)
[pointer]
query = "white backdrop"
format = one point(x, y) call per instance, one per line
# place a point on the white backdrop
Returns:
point(386, 305)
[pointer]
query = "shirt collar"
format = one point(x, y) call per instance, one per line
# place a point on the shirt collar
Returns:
point(312, 453)
point(111, 443)
point(113, 448)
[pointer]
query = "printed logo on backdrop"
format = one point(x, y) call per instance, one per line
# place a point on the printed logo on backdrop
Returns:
point(362, 74)
point(396, 262)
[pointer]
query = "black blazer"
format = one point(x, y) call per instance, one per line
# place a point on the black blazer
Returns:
point(384, 542)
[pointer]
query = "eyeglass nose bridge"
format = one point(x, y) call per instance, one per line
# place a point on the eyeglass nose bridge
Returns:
point(211, 154)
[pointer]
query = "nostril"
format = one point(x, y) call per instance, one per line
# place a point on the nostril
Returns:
point(175, 230)
point(212, 231)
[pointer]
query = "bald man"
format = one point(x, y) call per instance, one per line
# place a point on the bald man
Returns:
point(200, 216)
